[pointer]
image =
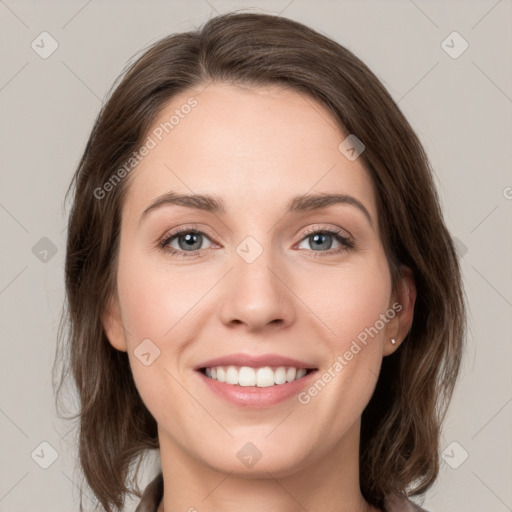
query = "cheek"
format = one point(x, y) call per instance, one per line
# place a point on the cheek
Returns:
point(352, 304)
point(350, 299)
point(167, 307)
point(156, 312)
point(154, 299)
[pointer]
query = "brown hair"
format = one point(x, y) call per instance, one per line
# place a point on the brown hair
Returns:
point(401, 424)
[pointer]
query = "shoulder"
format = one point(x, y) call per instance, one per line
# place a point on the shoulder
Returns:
point(152, 495)
point(397, 503)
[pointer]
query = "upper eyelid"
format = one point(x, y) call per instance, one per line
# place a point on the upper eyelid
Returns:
point(172, 234)
point(315, 228)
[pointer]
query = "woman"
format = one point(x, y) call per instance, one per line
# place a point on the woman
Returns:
point(260, 282)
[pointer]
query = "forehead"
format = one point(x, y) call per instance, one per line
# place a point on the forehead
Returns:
point(250, 146)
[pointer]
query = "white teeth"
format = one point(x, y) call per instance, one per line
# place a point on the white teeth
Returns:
point(280, 375)
point(247, 376)
point(264, 377)
point(291, 374)
point(300, 373)
point(260, 377)
point(231, 375)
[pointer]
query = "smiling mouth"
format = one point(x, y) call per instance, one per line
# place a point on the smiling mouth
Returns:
point(262, 377)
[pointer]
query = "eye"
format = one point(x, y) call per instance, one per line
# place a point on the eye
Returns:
point(189, 242)
point(185, 242)
point(324, 239)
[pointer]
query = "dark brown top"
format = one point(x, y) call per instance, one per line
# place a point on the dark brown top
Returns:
point(154, 492)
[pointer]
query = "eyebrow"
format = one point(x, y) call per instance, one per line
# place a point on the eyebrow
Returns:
point(214, 204)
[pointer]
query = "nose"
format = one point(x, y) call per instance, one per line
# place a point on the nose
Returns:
point(257, 295)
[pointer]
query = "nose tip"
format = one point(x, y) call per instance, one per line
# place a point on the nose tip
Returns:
point(255, 295)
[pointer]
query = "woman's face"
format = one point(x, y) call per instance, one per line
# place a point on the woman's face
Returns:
point(261, 275)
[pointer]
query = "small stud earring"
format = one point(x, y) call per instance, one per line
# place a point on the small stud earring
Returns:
point(393, 341)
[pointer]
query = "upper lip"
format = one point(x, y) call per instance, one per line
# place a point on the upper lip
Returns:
point(255, 361)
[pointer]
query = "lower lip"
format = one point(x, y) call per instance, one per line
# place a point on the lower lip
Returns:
point(253, 396)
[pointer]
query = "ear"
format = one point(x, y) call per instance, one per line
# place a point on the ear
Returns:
point(113, 325)
point(403, 304)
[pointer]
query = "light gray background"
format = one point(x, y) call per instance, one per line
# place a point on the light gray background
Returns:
point(460, 107)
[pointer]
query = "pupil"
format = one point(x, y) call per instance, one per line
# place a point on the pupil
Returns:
point(318, 240)
point(190, 240)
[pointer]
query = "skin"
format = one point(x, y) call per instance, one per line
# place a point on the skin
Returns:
point(254, 148)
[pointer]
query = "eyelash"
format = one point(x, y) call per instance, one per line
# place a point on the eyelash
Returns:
point(346, 242)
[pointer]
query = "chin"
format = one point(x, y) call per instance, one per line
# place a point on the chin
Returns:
point(256, 459)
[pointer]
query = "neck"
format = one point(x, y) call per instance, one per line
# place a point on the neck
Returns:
point(326, 483)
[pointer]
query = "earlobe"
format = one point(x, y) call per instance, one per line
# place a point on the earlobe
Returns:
point(402, 323)
point(113, 326)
